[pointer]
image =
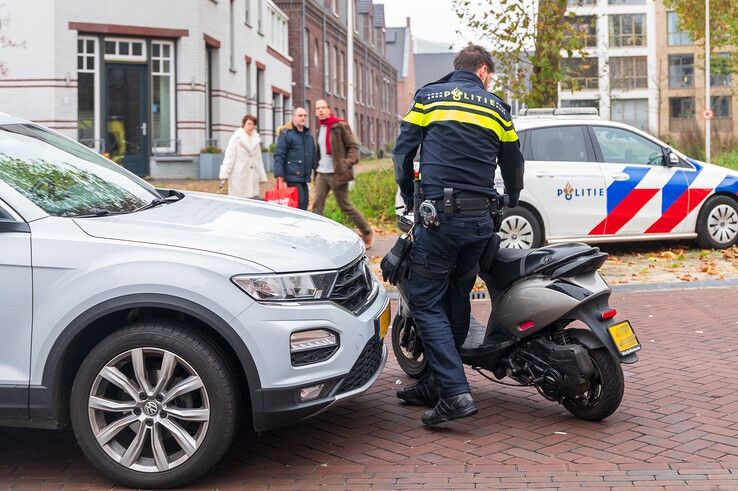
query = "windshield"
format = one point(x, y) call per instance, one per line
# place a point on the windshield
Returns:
point(65, 178)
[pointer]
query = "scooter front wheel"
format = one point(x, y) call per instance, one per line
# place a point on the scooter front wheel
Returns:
point(408, 347)
point(606, 392)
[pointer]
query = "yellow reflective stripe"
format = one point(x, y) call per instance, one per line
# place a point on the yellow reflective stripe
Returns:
point(419, 106)
point(414, 117)
point(468, 106)
point(459, 116)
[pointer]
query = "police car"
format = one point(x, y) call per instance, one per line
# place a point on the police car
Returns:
point(600, 181)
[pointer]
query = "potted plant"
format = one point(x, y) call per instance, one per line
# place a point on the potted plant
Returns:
point(211, 157)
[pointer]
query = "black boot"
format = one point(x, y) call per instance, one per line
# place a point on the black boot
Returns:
point(423, 393)
point(448, 408)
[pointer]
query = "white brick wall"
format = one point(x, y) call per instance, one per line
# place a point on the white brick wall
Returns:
point(41, 83)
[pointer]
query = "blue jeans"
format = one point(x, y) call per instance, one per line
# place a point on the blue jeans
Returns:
point(441, 305)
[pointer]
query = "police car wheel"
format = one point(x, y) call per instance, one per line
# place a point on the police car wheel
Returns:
point(717, 223)
point(520, 229)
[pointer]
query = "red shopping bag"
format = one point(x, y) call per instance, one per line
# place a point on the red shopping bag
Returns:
point(282, 195)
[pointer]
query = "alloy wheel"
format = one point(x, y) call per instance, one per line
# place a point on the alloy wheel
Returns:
point(722, 224)
point(149, 410)
point(516, 233)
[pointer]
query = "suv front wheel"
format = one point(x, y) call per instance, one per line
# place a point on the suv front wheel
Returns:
point(154, 405)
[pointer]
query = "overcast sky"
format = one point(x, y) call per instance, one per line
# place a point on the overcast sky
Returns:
point(433, 20)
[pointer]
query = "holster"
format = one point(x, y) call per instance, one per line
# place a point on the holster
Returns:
point(395, 263)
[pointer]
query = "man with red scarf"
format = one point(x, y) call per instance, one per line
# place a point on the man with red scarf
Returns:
point(336, 155)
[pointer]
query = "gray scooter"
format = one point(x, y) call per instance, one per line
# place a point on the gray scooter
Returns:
point(551, 327)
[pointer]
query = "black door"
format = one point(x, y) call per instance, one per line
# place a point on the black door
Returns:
point(125, 116)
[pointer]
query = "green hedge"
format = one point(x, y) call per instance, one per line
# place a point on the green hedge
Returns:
point(727, 159)
point(373, 195)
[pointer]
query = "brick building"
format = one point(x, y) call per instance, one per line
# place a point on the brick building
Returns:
point(150, 83)
point(317, 44)
point(399, 42)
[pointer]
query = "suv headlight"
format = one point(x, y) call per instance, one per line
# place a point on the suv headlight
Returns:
point(286, 287)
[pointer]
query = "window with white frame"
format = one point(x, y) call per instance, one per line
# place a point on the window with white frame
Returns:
point(326, 66)
point(124, 49)
point(88, 116)
point(630, 111)
point(341, 75)
point(247, 12)
point(162, 97)
point(628, 72)
point(675, 36)
point(334, 68)
point(278, 29)
point(306, 57)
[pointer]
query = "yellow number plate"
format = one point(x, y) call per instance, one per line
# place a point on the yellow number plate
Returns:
point(625, 339)
point(382, 322)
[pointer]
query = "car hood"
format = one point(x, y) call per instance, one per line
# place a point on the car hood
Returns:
point(279, 238)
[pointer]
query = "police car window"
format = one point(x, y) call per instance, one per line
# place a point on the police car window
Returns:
point(561, 144)
point(619, 146)
point(4, 215)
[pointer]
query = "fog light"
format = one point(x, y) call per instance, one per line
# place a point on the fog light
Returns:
point(307, 340)
point(310, 393)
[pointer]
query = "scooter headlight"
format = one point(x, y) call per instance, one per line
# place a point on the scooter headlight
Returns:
point(287, 287)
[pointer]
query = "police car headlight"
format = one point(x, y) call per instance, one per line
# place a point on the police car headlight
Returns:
point(284, 288)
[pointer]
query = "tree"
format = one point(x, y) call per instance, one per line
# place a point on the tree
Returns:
point(527, 41)
point(723, 28)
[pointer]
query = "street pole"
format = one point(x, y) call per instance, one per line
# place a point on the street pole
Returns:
point(707, 79)
point(350, 110)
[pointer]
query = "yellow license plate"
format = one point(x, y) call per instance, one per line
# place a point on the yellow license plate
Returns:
point(382, 322)
point(624, 336)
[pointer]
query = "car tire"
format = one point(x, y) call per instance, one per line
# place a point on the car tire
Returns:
point(717, 223)
point(520, 229)
point(177, 427)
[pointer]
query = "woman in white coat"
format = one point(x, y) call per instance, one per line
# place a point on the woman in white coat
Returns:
point(242, 164)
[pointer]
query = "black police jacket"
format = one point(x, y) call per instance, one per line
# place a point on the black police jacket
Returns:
point(465, 133)
point(293, 158)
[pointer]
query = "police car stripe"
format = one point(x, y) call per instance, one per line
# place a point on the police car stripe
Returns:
point(459, 116)
point(465, 105)
point(677, 187)
point(678, 211)
point(623, 202)
point(625, 210)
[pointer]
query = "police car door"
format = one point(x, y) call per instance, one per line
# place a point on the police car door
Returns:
point(644, 194)
point(15, 313)
point(562, 174)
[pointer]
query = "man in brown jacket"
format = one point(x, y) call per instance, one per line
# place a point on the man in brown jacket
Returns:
point(336, 155)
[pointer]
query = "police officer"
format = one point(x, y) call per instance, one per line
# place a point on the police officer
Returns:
point(465, 131)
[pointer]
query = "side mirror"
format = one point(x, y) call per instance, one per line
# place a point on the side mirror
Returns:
point(673, 159)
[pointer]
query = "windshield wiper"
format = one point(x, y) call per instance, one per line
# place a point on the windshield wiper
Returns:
point(154, 203)
point(94, 212)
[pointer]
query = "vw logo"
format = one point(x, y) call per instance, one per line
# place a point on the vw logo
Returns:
point(150, 408)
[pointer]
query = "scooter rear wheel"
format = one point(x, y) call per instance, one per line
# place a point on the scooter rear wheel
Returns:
point(407, 347)
point(606, 392)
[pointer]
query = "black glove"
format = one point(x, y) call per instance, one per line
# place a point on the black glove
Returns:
point(512, 201)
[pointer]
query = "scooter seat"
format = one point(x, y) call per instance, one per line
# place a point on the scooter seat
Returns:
point(510, 265)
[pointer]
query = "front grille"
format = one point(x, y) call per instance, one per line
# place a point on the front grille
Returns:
point(353, 286)
point(364, 368)
point(312, 356)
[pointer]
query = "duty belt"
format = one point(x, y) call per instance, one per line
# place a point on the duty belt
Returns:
point(463, 204)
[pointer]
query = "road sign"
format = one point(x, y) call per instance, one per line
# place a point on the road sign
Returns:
point(707, 114)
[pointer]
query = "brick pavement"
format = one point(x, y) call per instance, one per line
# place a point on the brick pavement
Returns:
point(677, 427)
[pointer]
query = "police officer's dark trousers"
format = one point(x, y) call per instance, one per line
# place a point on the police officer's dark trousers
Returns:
point(438, 300)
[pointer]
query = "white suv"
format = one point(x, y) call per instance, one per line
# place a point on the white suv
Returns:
point(152, 319)
point(600, 181)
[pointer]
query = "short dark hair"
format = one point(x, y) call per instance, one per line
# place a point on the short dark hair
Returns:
point(249, 117)
point(472, 58)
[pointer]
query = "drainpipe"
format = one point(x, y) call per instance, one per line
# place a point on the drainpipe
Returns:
point(350, 102)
